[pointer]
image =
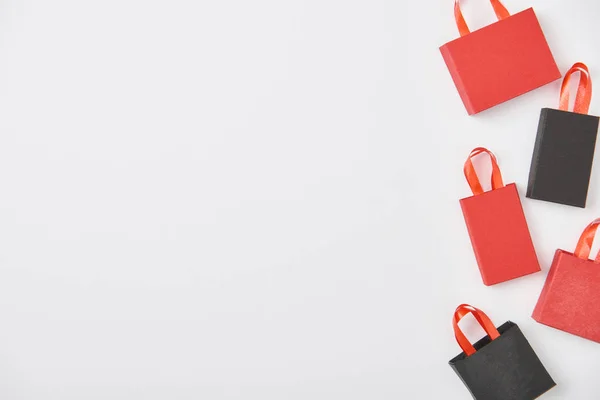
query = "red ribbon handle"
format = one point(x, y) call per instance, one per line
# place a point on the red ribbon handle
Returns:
point(471, 175)
point(584, 246)
point(584, 90)
point(484, 321)
point(499, 9)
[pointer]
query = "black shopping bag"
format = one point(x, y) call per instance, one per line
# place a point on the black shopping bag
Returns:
point(561, 165)
point(502, 365)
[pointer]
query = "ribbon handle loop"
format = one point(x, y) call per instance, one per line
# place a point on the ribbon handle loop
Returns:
point(483, 320)
point(463, 28)
point(471, 175)
point(584, 246)
point(583, 98)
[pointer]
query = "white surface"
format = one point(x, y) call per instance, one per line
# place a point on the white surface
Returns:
point(258, 200)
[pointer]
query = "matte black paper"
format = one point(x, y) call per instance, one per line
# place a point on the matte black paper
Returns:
point(503, 369)
point(562, 158)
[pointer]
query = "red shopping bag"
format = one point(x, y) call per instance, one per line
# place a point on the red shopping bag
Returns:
point(497, 227)
point(570, 299)
point(500, 61)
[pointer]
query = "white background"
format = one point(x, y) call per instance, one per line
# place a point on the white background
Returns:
point(258, 199)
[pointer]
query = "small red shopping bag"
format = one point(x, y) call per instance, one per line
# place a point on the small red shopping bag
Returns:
point(570, 300)
point(500, 61)
point(497, 226)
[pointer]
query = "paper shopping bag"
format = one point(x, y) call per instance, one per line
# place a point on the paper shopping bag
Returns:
point(500, 61)
point(561, 165)
point(497, 227)
point(570, 299)
point(502, 365)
